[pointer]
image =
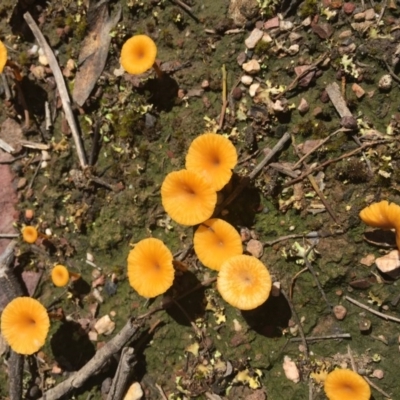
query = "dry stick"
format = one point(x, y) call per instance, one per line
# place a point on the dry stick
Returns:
point(371, 310)
point(294, 280)
point(301, 331)
point(160, 389)
point(311, 269)
point(8, 235)
point(62, 88)
point(122, 375)
point(95, 364)
point(326, 337)
point(391, 72)
point(246, 180)
point(318, 146)
point(186, 8)
point(302, 75)
point(224, 98)
point(332, 161)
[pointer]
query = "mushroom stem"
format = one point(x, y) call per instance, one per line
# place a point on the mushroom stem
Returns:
point(157, 68)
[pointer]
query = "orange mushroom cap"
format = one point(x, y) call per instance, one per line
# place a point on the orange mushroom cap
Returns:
point(382, 215)
point(150, 268)
point(3, 56)
point(29, 234)
point(244, 282)
point(187, 197)
point(138, 54)
point(214, 156)
point(24, 325)
point(60, 275)
point(215, 241)
point(344, 384)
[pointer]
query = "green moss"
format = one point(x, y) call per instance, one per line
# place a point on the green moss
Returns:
point(309, 8)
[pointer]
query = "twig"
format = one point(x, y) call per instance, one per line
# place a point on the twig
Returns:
point(311, 235)
point(62, 88)
point(8, 235)
point(35, 173)
point(318, 146)
point(7, 90)
point(377, 388)
point(301, 331)
point(49, 122)
point(246, 180)
point(294, 280)
point(224, 98)
point(302, 75)
point(122, 375)
point(391, 72)
point(188, 9)
point(160, 389)
point(95, 364)
point(327, 337)
point(371, 310)
point(332, 161)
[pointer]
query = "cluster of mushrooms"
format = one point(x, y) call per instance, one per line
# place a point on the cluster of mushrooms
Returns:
point(189, 197)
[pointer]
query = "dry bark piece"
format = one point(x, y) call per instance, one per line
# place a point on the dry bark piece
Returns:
point(94, 50)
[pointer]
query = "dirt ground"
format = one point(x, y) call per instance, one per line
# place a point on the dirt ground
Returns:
point(318, 79)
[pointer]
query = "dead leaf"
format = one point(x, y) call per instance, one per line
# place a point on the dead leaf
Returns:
point(94, 50)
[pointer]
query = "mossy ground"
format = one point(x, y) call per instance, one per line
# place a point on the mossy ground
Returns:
point(89, 218)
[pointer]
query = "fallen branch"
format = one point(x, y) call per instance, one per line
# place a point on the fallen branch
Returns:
point(61, 86)
point(96, 363)
point(122, 375)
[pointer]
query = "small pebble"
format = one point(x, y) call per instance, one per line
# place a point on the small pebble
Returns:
point(340, 312)
point(385, 83)
point(378, 374)
point(255, 248)
point(252, 66)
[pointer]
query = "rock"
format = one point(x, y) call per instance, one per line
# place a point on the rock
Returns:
point(389, 264)
point(241, 58)
point(358, 90)
point(340, 312)
point(134, 392)
point(385, 83)
point(254, 38)
point(377, 373)
point(303, 107)
point(364, 325)
point(291, 371)
point(253, 89)
point(348, 8)
point(285, 25)
point(359, 16)
point(349, 122)
point(255, 248)
point(242, 10)
point(237, 93)
point(369, 14)
point(271, 23)
point(246, 80)
point(104, 326)
point(251, 67)
point(293, 49)
point(245, 234)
